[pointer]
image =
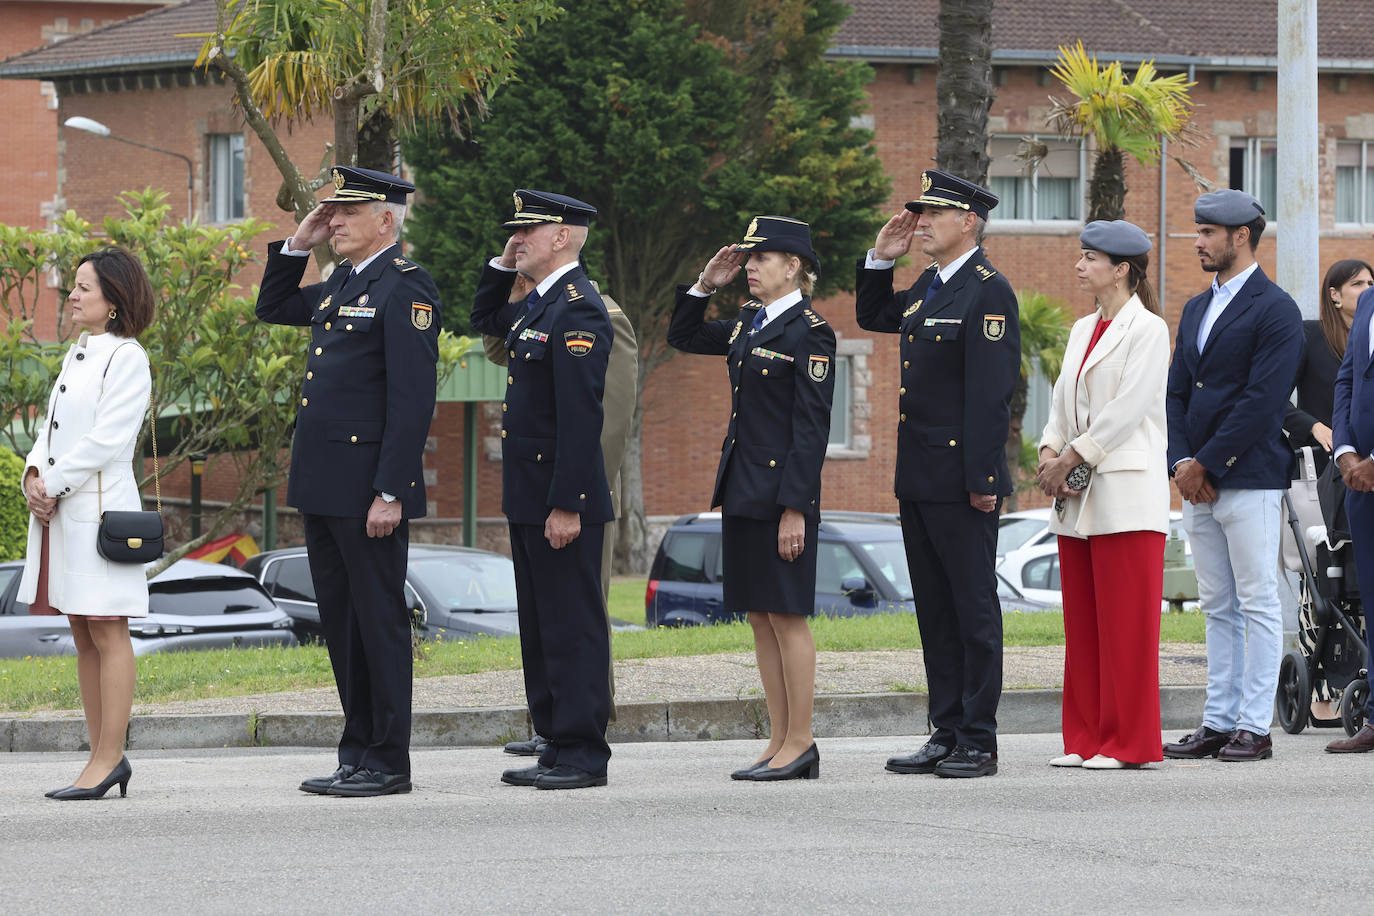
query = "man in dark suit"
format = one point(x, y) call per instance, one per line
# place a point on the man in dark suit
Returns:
point(1233, 367)
point(554, 490)
point(1352, 434)
point(357, 470)
point(961, 357)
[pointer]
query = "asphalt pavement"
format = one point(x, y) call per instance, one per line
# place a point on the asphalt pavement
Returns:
point(226, 831)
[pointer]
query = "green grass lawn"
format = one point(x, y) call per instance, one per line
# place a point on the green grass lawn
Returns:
point(31, 684)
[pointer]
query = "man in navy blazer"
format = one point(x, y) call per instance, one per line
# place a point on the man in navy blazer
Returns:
point(1352, 435)
point(1234, 362)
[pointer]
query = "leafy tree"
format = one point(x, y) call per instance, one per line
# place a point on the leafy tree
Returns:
point(1045, 324)
point(223, 382)
point(963, 86)
point(14, 509)
point(679, 121)
point(369, 65)
point(1124, 117)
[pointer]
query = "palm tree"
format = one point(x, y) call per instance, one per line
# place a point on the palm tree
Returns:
point(1045, 323)
point(963, 84)
point(1121, 116)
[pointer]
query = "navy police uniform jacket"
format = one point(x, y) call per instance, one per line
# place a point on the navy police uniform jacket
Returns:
point(782, 382)
point(557, 348)
point(1352, 420)
point(961, 359)
point(1226, 404)
point(368, 395)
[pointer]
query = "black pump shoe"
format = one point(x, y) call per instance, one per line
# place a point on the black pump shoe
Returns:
point(744, 772)
point(119, 774)
point(806, 766)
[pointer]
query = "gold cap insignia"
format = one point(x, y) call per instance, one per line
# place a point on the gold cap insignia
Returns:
point(753, 228)
point(925, 182)
point(338, 180)
point(519, 204)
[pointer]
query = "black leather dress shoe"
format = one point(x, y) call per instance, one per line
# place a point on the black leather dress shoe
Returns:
point(923, 761)
point(319, 785)
point(524, 777)
point(1246, 745)
point(806, 766)
point(966, 762)
point(566, 776)
point(368, 783)
point(531, 748)
point(1205, 742)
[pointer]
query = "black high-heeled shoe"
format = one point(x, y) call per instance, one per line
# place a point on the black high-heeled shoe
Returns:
point(119, 774)
point(806, 766)
point(744, 772)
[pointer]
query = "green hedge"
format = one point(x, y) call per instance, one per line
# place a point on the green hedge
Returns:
point(14, 511)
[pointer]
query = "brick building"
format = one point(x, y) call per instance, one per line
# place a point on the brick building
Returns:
point(137, 75)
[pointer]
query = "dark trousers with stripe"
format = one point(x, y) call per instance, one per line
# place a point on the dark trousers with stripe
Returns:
point(564, 644)
point(360, 587)
point(951, 550)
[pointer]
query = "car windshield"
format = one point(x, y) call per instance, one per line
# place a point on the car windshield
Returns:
point(468, 582)
point(1016, 532)
point(890, 559)
point(202, 597)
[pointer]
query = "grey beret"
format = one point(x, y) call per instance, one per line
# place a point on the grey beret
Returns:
point(1118, 237)
point(1227, 207)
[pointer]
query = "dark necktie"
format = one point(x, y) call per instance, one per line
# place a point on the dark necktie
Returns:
point(934, 286)
point(758, 322)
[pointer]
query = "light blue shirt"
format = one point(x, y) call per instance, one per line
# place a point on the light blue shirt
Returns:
point(1221, 297)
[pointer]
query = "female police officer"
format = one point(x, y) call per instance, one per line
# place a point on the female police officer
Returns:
point(779, 353)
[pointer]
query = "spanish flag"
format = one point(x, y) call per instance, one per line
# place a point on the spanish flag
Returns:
point(232, 550)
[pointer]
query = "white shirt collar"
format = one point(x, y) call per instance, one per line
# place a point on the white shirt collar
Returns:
point(778, 306)
point(362, 265)
point(953, 267)
point(547, 283)
point(1233, 285)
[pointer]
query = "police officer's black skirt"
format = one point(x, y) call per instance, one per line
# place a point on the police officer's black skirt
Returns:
point(756, 578)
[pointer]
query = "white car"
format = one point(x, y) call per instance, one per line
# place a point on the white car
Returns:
point(1031, 560)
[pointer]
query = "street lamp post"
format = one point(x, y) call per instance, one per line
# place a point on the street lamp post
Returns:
point(92, 126)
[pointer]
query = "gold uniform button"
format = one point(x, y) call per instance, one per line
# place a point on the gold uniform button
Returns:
point(319, 350)
point(991, 479)
point(309, 375)
point(503, 434)
point(951, 442)
point(910, 337)
point(510, 380)
point(504, 407)
point(937, 337)
point(906, 364)
point(527, 356)
point(305, 401)
point(512, 354)
point(328, 325)
point(348, 327)
point(903, 418)
point(582, 496)
point(765, 371)
point(733, 414)
point(1199, 384)
point(736, 389)
point(539, 457)
point(412, 483)
point(352, 438)
point(901, 391)
point(772, 463)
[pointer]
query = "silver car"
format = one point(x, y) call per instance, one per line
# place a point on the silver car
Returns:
point(191, 605)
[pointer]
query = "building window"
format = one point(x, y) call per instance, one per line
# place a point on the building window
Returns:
point(1051, 190)
point(226, 177)
point(842, 407)
point(1355, 181)
point(1255, 170)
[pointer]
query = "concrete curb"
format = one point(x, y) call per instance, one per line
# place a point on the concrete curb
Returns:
point(836, 716)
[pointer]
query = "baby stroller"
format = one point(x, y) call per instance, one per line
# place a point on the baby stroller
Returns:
point(1333, 660)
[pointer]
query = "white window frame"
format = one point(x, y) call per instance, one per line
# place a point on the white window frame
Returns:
point(221, 150)
point(842, 408)
point(1363, 210)
point(1250, 176)
point(1080, 195)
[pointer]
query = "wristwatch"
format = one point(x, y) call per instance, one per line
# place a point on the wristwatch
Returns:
point(387, 497)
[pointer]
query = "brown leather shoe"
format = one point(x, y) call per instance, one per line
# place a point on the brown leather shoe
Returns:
point(1246, 745)
point(1359, 743)
point(1205, 742)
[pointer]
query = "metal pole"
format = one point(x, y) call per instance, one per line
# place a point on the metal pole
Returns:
point(1299, 256)
point(269, 519)
point(469, 474)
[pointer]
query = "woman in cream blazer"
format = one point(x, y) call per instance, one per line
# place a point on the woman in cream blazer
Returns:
point(81, 464)
point(1108, 413)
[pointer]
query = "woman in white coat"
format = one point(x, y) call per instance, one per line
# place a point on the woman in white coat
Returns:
point(1107, 419)
point(81, 464)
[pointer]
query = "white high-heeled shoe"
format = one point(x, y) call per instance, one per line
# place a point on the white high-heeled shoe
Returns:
point(1100, 762)
point(1068, 760)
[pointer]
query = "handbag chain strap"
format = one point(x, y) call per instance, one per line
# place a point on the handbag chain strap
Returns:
point(152, 430)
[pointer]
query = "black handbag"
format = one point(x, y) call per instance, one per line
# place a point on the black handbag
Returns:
point(1077, 480)
point(129, 536)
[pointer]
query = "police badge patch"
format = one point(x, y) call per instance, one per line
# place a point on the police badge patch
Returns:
point(994, 326)
point(818, 367)
point(579, 343)
point(421, 315)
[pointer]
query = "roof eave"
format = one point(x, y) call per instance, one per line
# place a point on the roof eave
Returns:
point(1011, 56)
point(122, 64)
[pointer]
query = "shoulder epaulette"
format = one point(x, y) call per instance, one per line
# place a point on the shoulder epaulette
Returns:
point(984, 272)
point(573, 293)
point(404, 265)
point(813, 320)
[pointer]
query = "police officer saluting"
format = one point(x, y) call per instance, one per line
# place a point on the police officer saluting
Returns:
point(961, 356)
point(554, 490)
point(357, 460)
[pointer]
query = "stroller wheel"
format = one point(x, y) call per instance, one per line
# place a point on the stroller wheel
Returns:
point(1293, 700)
point(1353, 700)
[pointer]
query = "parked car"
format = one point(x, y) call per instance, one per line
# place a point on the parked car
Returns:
point(452, 592)
point(860, 569)
point(1026, 528)
point(1033, 568)
point(191, 605)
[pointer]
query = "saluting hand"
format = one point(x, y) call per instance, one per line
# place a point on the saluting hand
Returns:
point(894, 239)
point(508, 254)
point(721, 269)
point(314, 229)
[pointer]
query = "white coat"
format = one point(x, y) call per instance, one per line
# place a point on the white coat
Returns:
point(1113, 415)
point(89, 431)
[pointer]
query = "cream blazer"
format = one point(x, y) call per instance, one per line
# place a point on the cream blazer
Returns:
point(1113, 415)
point(90, 429)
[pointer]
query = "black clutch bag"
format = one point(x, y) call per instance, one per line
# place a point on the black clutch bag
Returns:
point(129, 537)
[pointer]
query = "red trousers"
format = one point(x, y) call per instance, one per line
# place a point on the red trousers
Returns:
point(1112, 585)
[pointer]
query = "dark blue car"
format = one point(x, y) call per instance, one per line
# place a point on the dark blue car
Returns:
point(861, 569)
